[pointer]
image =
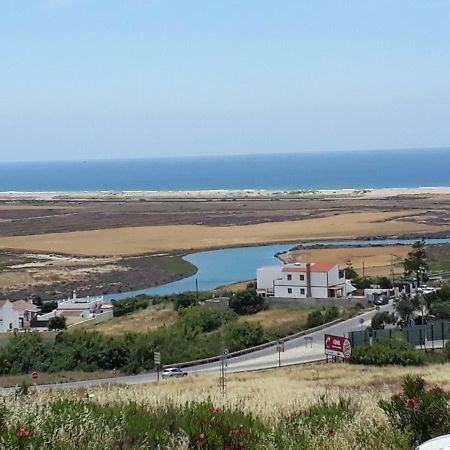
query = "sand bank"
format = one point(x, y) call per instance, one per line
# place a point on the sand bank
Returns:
point(220, 194)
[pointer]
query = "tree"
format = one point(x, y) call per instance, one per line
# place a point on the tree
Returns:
point(405, 306)
point(416, 262)
point(57, 323)
point(381, 319)
point(247, 302)
point(350, 272)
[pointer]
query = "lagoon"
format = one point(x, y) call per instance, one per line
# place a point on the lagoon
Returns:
point(225, 266)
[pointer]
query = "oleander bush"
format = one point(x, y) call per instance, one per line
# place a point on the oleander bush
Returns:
point(386, 352)
point(423, 413)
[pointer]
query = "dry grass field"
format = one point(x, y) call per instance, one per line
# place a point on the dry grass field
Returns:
point(138, 322)
point(275, 392)
point(284, 321)
point(139, 240)
point(377, 260)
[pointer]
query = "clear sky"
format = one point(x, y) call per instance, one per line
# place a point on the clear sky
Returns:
point(86, 79)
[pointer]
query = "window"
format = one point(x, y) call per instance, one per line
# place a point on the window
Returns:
point(302, 291)
point(302, 277)
point(289, 277)
point(289, 290)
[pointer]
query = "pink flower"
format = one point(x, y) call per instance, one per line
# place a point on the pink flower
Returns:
point(23, 432)
point(411, 402)
point(202, 435)
point(241, 444)
point(239, 429)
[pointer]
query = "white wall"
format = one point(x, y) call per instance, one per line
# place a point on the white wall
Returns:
point(282, 291)
point(9, 316)
point(266, 275)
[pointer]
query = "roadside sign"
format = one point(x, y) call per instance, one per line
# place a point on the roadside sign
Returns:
point(337, 346)
point(34, 375)
point(157, 358)
point(280, 347)
point(226, 351)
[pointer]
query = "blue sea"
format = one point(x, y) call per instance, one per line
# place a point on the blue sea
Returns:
point(325, 170)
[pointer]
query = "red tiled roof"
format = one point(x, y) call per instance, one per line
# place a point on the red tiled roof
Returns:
point(322, 266)
point(293, 269)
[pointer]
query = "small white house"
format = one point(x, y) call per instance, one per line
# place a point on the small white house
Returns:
point(81, 306)
point(16, 315)
point(302, 280)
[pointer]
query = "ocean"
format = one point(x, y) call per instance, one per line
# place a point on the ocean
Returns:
point(325, 170)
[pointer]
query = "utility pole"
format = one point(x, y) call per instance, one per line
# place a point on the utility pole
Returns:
point(196, 289)
point(364, 272)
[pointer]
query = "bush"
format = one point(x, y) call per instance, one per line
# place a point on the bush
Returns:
point(387, 352)
point(422, 413)
point(321, 316)
point(129, 305)
point(247, 302)
point(380, 319)
point(57, 323)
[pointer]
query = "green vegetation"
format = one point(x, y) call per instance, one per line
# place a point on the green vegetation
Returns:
point(415, 264)
point(57, 323)
point(247, 301)
point(321, 316)
point(72, 424)
point(387, 352)
point(366, 282)
point(177, 265)
point(381, 319)
point(129, 305)
point(422, 414)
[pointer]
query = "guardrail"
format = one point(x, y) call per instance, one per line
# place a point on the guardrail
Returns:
point(255, 348)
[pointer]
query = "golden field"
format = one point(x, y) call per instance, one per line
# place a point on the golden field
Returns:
point(153, 239)
point(273, 392)
point(377, 260)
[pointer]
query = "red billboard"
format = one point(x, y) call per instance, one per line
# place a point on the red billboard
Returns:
point(337, 346)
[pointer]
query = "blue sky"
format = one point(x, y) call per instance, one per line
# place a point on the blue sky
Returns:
point(86, 79)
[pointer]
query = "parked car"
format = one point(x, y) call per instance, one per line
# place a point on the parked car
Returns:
point(381, 300)
point(173, 372)
point(439, 443)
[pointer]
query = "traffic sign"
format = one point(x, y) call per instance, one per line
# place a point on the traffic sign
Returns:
point(34, 375)
point(157, 357)
point(225, 351)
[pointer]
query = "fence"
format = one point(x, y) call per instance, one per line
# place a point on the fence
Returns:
point(432, 335)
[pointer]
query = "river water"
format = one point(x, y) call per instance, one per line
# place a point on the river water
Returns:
point(219, 267)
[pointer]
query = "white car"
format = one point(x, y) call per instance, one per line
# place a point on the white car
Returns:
point(173, 372)
point(439, 443)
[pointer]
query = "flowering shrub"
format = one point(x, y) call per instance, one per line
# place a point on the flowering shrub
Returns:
point(211, 427)
point(423, 413)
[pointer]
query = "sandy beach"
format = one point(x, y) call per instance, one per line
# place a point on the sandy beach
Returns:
point(219, 194)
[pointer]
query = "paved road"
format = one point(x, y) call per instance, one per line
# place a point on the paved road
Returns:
point(296, 352)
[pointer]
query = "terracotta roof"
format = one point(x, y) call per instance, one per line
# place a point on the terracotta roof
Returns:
point(322, 266)
point(294, 269)
point(315, 267)
point(22, 305)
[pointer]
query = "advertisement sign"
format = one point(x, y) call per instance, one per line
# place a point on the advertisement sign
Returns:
point(337, 346)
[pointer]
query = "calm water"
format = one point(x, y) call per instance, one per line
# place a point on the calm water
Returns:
point(332, 170)
point(219, 267)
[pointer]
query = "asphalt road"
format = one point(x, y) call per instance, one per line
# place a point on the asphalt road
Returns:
point(297, 351)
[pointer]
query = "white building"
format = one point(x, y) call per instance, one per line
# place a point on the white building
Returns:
point(16, 315)
point(81, 306)
point(303, 280)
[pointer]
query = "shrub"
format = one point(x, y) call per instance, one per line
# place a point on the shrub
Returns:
point(247, 302)
point(57, 323)
point(423, 413)
point(380, 319)
point(128, 305)
point(318, 317)
point(387, 352)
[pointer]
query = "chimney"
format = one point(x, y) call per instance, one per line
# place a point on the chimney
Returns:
point(308, 280)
